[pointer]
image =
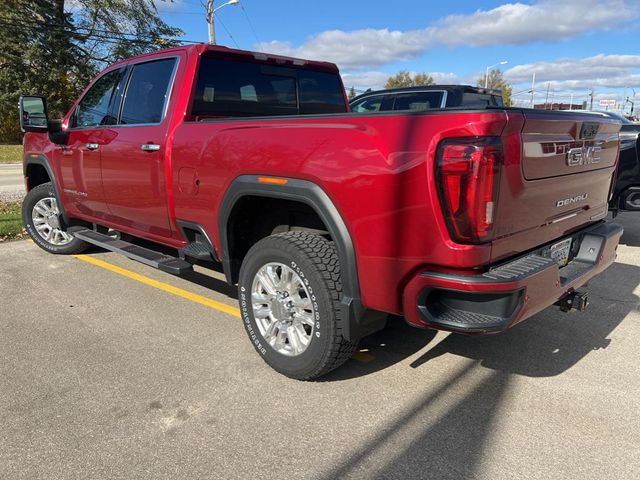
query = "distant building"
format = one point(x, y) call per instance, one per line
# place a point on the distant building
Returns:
point(560, 106)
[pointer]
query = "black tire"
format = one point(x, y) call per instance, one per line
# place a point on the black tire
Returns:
point(315, 259)
point(34, 195)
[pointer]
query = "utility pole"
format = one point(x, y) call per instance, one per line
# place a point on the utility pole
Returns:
point(533, 87)
point(211, 22)
point(591, 101)
point(211, 12)
point(546, 100)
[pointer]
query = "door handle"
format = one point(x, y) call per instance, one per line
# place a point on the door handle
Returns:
point(92, 146)
point(150, 147)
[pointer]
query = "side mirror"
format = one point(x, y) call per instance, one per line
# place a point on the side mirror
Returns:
point(33, 114)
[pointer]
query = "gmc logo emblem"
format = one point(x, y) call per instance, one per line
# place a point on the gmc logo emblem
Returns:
point(583, 156)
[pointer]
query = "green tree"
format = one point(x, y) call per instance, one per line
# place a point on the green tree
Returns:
point(404, 79)
point(352, 93)
point(54, 47)
point(497, 81)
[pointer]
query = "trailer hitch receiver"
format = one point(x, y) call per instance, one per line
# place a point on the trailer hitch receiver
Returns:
point(574, 301)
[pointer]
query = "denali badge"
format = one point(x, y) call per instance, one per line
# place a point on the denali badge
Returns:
point(569, 201)
point(583, 156)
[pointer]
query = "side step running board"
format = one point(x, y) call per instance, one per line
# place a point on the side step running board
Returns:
point(158, 260)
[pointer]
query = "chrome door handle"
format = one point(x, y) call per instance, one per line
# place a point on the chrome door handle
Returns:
point(150, 147)
point(92, 146)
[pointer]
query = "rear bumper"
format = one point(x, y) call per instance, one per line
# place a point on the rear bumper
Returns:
point(510, 292)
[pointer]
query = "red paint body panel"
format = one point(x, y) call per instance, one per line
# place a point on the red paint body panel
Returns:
point(379, 171)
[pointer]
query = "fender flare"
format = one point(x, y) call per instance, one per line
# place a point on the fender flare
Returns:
point(356, 320)
point(42, 160)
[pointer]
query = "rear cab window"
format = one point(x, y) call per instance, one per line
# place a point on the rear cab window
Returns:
point(239, 88)
point(480, 100)
point(418, 101)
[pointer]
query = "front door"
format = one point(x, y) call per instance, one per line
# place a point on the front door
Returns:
point(133, 163)
point(89, 131)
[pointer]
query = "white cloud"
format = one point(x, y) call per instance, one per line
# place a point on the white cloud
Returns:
point(545, 20)
point(364, 80)
point(598, 66)
point(609, 71)
point(376, 80)
point(356, 49)
point(511, 23)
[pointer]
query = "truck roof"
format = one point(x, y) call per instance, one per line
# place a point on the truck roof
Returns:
point(200, 48)
point(422, 88)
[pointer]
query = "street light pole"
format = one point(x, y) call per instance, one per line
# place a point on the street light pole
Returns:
point(486, 74)
point(211, 12)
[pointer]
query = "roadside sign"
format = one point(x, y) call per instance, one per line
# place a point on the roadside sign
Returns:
point(607, 102)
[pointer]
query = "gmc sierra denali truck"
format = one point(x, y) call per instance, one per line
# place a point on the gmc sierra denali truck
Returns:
point(463, 220)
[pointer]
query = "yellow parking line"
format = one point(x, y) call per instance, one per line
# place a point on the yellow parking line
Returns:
point(194, 297)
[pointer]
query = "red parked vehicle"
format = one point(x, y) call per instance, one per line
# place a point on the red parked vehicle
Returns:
point(462, 220)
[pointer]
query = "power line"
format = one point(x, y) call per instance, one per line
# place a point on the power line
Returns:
point(70, 28)
point(228, 32)
point(250, 24)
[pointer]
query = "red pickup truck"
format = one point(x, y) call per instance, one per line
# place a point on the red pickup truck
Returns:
point(462, 220)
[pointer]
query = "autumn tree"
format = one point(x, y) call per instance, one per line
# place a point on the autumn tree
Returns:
point(496, 81)
point(54, 48)
point(404, 79)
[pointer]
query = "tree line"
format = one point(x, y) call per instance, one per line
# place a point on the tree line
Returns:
point(404, 78)
point(55, 47)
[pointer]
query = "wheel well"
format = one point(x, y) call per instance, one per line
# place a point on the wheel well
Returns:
point(255, 217)
point(37, 175)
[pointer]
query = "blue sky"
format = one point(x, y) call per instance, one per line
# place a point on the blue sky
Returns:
point(571, 45)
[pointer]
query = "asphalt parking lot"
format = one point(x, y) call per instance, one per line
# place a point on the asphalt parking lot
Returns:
point(111, 369)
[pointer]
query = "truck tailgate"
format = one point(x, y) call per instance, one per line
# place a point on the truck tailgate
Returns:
point(555, 179)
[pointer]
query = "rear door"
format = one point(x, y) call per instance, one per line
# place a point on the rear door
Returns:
point(133, 164)
point(556, 177)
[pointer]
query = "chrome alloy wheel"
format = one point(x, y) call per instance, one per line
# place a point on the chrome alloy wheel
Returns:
point(45, 216)
point(282, 308)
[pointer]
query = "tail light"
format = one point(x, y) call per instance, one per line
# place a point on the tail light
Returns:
point(468, 172)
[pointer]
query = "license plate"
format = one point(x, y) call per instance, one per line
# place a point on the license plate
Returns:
point(559, 252)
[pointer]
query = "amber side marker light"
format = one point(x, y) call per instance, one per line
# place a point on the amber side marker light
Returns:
point(272, 180)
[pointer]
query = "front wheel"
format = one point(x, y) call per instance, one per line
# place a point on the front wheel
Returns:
point(289, 291)
point(41, 218)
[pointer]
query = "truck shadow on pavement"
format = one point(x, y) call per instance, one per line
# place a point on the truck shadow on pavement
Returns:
point(442, 435)
point(631, 223)
point(545, 345)
point(446, 432)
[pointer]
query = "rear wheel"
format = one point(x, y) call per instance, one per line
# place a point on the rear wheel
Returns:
point(42, 220)
point(289, 290)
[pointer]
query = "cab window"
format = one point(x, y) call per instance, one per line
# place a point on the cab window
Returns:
point(147, 92)
point(418, 101)
point(370, 104)
point(97, 106)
